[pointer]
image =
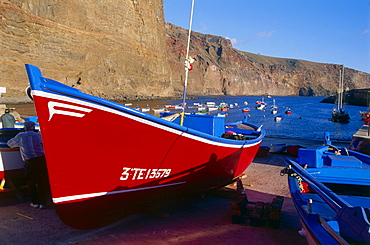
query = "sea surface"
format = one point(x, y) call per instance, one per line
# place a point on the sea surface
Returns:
point(309, 119)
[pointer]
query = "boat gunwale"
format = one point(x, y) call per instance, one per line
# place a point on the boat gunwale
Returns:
point(298, 201)
point(169, 126)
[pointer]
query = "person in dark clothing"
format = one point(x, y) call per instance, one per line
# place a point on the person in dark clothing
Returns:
point(7, 119)
point(32, 153)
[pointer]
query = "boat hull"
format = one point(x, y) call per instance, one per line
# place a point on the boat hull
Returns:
point(361, 140)
point(331, 194)
point(133, 160)
point(314, 232)
point(341, 119)
point(11, 163)
point(99, 173)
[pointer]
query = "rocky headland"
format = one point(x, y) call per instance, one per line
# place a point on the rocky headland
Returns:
point(125, 51)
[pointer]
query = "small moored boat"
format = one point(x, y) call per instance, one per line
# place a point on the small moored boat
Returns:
point(212, 108)
point(246, 109)
point(146, 109)
point(274, 108)
point(339, 114)
point(277, 118)
point(158, 110)
point(261, 106)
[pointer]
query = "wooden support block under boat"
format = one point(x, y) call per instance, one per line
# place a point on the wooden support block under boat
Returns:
point(257, 213)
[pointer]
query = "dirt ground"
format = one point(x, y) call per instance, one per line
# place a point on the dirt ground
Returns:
point(201, 220)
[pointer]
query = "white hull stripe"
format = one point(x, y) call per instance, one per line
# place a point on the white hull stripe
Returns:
point(52, 110)
point(138, 119)
point(98, 194)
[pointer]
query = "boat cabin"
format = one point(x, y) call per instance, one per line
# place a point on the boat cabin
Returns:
point(317, 158)
point(208, 124)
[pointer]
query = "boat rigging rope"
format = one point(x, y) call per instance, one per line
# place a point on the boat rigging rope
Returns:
point(337, 150)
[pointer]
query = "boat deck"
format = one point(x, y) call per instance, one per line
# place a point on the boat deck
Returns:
point(361, 140)
point(320, 207)
point(363, 132)
point(342, 169)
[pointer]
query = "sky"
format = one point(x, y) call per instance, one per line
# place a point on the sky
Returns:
point(325, 31)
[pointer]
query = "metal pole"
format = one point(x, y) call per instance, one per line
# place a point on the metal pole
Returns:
point(341, 102)
point(187, 63)
point(368, 126)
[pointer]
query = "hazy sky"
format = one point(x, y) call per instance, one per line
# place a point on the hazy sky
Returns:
point(327, 31)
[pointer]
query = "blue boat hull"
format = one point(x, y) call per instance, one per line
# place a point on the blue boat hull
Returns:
point(330, 189)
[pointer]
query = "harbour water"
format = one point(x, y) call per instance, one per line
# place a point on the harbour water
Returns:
point(309, 119)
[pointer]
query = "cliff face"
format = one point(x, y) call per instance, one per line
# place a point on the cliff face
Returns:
point(123, 50)
point(221, 69)
point(113, 49)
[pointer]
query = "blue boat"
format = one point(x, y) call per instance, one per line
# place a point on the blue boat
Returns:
point(330, 188)
point(21, 125)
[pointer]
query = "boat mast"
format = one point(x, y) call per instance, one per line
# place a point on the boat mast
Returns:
point(187, 64)
point(341, 103)
point(341, 89)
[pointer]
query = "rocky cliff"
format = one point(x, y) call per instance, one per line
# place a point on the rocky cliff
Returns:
point(221, 69)
point(113, 49)
point(123, 50)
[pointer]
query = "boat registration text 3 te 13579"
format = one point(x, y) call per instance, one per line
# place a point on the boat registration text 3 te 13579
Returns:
point(142, 173)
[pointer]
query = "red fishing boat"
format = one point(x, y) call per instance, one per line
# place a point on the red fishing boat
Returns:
point(245, 110)
point(100, 174)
